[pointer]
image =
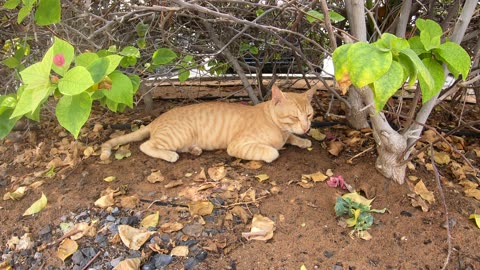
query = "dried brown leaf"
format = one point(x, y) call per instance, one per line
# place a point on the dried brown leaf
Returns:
point(133, 238)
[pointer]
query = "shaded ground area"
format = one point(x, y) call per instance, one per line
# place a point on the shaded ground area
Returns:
point(307, 230)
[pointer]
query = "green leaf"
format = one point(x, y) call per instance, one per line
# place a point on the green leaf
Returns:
point(11, 62)
point(122, 89)
point(37, 206)
point(457, 59)
point(75, 81)
point(114, 61)
point(183, 75)
point(340, 61)
point(416, 45)
point(62, 47)
point(141, 29)
point(135, 79)
point(85, 59)
point(426, 81)
point(11, 4)
point(335, 17)
point(259, 12)
point(130, 51)
point(436, 70)
point(36, 75)
point(141, 43)
point(48, 12)
point(30, 100)
point(313, 16)
point(98, 69)
point(430, 33)
point(392, 43)
point(387, 85)
point(6, 123)
point(24, 12)
point(253, 50)
point(163, 56)
point(7, 102)
point(73, 111)
point(410, 72)
point(128, 61)
point(366, 63)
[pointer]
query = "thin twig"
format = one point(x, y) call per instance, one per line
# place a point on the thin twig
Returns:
point(91, 260)
point(442, 195)
point(350, 161)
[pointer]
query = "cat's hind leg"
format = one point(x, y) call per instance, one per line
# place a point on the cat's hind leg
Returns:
point(252, 151)
point(152, 150)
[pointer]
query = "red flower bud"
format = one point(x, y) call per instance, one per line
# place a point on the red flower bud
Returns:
point(59, 60)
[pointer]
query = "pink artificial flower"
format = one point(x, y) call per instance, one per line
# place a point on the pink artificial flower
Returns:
point(336, 181)
point(59, 60)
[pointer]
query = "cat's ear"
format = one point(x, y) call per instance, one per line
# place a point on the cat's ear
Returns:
point(310, 92)
point(277, 95)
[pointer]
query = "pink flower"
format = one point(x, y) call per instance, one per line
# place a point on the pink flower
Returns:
point(336, 181)
point(59, 60)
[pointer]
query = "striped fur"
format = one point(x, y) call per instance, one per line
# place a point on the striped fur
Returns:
point(247, 132)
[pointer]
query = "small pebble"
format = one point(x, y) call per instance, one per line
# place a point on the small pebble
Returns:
point(194, 230)
point(116, 261)
point(115, 211)
point(89, 252)
point(190, 263)
point(201, 256)
point(451, 223)
point(45, 230)
point(162, 260)
point(110, 218)
point(328, 254)
point(77, 257)
point(406, 214)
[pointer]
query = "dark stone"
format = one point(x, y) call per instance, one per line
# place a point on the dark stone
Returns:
point(328, 253)
point(162, 260)
point(115, 211)
point(131, 220)
point(89, 252)
point(45, 230)
point(78, 258)
point(201, 256)
point(190, 263)
point(406, 214)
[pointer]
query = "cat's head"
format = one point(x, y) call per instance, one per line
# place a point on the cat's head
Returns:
point(292, 111)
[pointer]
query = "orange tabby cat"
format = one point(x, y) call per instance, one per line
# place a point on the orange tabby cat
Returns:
point(247, 132)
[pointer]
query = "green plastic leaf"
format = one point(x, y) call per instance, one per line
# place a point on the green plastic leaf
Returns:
point(73, 111)
point(130, 51)
point(313, 16)
point(6, 123)
point(75, 81)
point(336, 17)
point(85, 59)
point(11, 4)
point(48, 12)
point(98, 69)
point(436, 70)
point(387, 85)
point(457, 59)
point(426, 81)
point(37, 206)
point(430, 33)
point(366, 63)
point(183, 75)
point(122, 89)
point(341, 207)
point(163, 56)
point(114, 61)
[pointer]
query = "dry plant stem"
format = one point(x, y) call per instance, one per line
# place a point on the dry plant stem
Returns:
point(328, 25)
point(442, 195)
point(413, 107)
point(68, 234)
point(350, 160)
point(245, 203)
point(91, 260)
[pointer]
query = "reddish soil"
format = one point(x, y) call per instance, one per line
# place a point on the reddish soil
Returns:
point(307, 231)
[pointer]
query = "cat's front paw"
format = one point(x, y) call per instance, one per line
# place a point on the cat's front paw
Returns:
point(304, 143)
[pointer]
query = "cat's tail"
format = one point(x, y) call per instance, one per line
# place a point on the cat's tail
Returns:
point(135, 136)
